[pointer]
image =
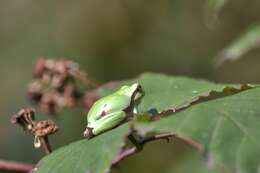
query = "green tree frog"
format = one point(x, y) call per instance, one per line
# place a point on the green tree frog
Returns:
point(110, 111)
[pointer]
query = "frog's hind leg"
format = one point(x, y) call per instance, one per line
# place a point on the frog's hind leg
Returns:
point(109, 121)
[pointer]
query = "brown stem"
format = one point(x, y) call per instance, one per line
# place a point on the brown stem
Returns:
point(15, 166)
point(45, 144)
point(139, 144)
point(158, 137)
point(192, 143)
point(124, 153)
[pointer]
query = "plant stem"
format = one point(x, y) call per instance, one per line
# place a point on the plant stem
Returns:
point(139, 144)
point(124, 153)
point(46, 145)
point(15, 166)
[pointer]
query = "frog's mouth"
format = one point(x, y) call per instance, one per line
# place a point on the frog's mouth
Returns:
point(138, 96)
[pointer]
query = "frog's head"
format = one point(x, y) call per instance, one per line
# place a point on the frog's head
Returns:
point(135, 91)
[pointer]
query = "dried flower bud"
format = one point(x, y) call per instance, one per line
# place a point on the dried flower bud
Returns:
point(46, 78)
point(49, 102)
point(61, 67)
point(70, 95)
point(73, 68)
point(44, 128)
point(39, 68)
point(41, 131)
point(49, 64)
point(55, 84)
point(24, 118)
point(59, 80)
point(35, 90)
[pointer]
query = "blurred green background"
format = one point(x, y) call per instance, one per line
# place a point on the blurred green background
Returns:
point(113, 40)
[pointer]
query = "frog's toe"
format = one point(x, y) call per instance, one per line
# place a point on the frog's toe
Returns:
point(88, 133)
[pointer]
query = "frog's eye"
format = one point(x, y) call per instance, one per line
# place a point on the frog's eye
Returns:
point(139, 88)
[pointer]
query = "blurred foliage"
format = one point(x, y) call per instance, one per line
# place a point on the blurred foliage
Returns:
point(212, 10)
point(242, 45)
point(114, 40)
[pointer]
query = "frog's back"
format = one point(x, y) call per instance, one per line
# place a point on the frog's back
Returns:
point(108, 104)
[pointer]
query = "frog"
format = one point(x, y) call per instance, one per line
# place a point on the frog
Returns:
point(113, 110)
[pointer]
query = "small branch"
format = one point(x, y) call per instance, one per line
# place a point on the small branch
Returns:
point(158, 137)
point(139, 144)
point(192, 143)
point(124, 153)
point(15, 166)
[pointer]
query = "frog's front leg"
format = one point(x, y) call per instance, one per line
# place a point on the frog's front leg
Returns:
point(106, 122)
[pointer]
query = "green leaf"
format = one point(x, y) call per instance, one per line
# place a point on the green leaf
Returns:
point(192, 162)
point(228, 128)
point(85, 156)
point(164, 92)
point(243, 44)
